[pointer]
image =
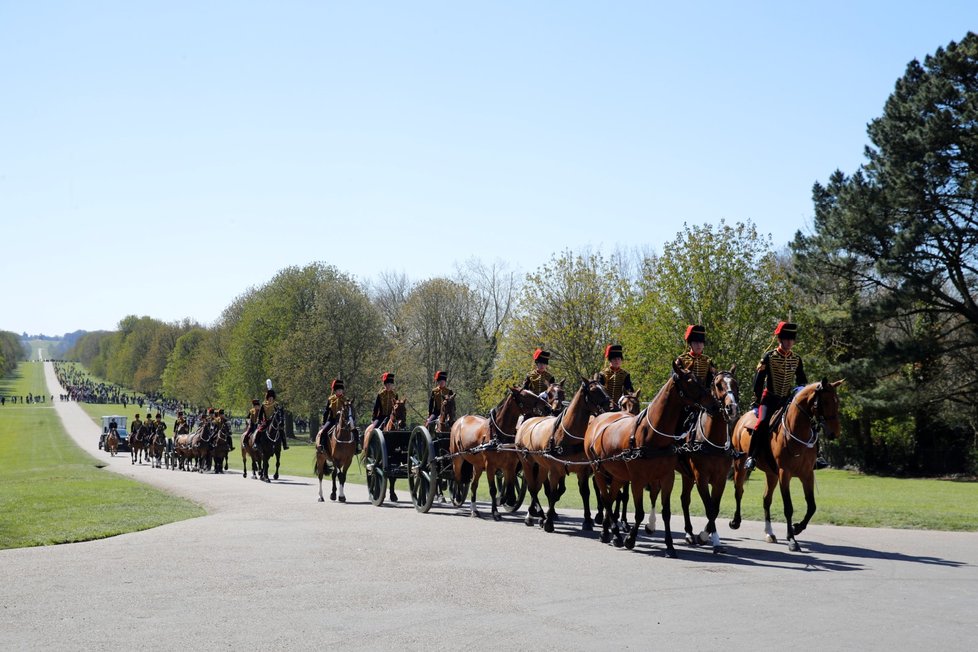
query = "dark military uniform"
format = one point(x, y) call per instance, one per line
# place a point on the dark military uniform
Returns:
point(778, 373)
point(134, 428)
point(180, 426)
point(159, 427)
point(538, 382)
point(701, 365)
point(331, 416)
point(267, 412)
point(384, 404)
point(616, 383)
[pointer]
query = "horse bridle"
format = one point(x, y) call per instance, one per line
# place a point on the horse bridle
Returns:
point(714, 404)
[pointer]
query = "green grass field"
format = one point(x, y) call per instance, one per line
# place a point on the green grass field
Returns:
point(51, 491)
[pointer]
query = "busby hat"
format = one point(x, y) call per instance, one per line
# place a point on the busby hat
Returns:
point(137, 416)
point(613, 351)
point(388, 377)
point(695, 333)
point(786, 331)
point(255, 401)
point(336, 384)
point(210, 410)
point(159, 416)
point(541, 356)
point(441, 375)
point(270, 394)
point(221, 411)
point(179, 413)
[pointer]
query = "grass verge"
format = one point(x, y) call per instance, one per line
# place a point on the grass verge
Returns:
point(51, 491)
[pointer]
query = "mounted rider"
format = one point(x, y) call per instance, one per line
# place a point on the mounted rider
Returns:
point(332, 414)
point(779, 373)
point(159, 427)
point(134, 429)
point(700, 365)
point(438, 395)
point(383, 404)
point(616, 380)
point(253, 418)
point(218, 424)
point(539, 379)
point(268, 411)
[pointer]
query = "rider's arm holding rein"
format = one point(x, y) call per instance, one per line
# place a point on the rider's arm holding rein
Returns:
point(760, 378)
point(800, 378)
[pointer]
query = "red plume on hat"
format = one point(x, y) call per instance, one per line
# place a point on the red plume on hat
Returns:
point(388, 377)
point(441, 375)
point(541, 356)
point(695, 333)
point(613, 351)
point(786, 330)
point(336, 384)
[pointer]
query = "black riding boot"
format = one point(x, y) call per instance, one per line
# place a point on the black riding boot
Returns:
point(758, 442)
point(285, 443)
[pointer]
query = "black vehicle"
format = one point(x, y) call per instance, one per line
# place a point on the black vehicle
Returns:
point(121, 430)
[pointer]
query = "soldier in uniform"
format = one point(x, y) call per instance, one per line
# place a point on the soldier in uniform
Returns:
point(616, 380)
point(252, 422)
point(778, 373)
point(384, 404)
point(700, 365)
point(180, 425)
point(332, 413)
point(438, 394)
point(219, 421)
point(160, 426)
point(539, 380)
point(265, 415)
point(134, 428)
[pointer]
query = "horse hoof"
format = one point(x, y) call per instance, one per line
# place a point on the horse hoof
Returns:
point(474, 513)
point(275, 477)
point(771, 538)
point(793, 546)
point(619, 543)
point(734, 525)
point(798, 528)
point(332, 496)
point(496, 516)
point(671, 554)
point(587, 527)
point(649, 529)
point(529, 521)
point(719, 550)
point(548, 526)
point(630, 543)
point(690, 541)
point(702, 538)
point(605, 537)
point(322, 500)
point(342, 499)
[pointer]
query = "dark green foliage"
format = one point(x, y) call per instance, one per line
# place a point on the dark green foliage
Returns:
point(891, 268)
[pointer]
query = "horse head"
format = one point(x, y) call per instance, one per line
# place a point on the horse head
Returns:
point(595, 396)
point(446, 416)
point(630, 402)
point(528, 403)
point(824, 406)
point(398, 416)
point(556, 396)
point(690, 390)
point(727, 394)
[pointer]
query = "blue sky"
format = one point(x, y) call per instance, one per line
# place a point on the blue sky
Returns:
point(159, 158)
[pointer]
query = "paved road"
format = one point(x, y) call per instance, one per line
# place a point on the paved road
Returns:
point(271, 568)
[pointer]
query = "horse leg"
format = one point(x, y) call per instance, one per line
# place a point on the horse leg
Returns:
point(638, 491)
point(476, 473)
point(666, 486)
point(623, 507)
point(685, 497)
point(491, 477)
point(318, 470)
point(771, 479)
point(654, 497)
point(585, 489)
point(553, 492)
point(278, 460)
point(784, 482)
point(342, 475)
point(332, 495)
point(531, 474)
point(808, 484)
point(739, 475)
point(393, 495)
point(718, 484)
point(598, 501)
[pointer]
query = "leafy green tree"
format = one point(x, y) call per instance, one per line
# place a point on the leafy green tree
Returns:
point(902, 231)
point(727, 278)
point(571, 307)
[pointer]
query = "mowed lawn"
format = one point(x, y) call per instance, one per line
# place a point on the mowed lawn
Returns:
point(51, 491)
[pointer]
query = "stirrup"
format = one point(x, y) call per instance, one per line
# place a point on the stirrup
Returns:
point(749, 463)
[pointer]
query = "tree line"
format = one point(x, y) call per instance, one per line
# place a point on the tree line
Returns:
point(883, 286)
point(11, 352)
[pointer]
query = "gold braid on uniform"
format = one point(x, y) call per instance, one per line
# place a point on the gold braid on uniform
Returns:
point(782, 370)
point(539, 382)
point(614, 383)
point(700, 365)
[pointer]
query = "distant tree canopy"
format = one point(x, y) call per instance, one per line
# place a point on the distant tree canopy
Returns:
point(11, 352)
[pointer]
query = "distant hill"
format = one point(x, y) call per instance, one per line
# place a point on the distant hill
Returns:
point(54, 346)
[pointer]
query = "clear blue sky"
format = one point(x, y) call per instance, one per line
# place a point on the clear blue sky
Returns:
point(159, 158)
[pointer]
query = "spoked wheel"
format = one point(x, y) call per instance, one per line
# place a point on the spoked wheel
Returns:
point(511, 503)
point(376, 462)
point(422, 469)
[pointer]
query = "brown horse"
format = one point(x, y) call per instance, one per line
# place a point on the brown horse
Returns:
point(112, 442)
point(220, 446)
point(548, 445)
point(139, 443)
point(641, 450)
point(338, 453)
point(155, 447)
point(629, 403)
point(397, 419)
point(795, 433)
point(556, 396)
point(268, 440)
point(481, 435)
point(709, 457)
point(446, 415)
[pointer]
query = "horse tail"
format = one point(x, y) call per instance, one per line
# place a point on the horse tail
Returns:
point(466, 471)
